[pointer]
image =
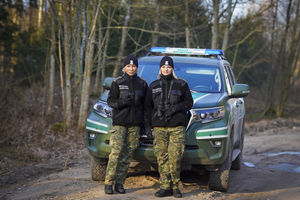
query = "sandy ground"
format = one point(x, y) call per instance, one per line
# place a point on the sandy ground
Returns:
point(266, 176)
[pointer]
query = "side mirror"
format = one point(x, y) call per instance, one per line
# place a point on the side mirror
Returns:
point(107, 82)
point(239, 90)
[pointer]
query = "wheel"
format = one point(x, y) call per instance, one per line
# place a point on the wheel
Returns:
point(218, 180)
point(236, 164)
point(98, 169)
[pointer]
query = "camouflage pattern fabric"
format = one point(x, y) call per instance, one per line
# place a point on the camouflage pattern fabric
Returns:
point(169, 143)
point(123, 142)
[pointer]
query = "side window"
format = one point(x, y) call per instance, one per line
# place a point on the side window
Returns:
point(227, 80)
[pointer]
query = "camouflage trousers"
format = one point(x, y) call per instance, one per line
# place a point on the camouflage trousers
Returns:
point(123, 142)
point(169, 143)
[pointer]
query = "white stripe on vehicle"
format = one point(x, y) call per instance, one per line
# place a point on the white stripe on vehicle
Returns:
point(211, 137)
point(96, 130)
point(98, 123)
point(212, 129)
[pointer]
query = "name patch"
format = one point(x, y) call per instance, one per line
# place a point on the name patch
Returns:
point(156, 90)
point(123, 87)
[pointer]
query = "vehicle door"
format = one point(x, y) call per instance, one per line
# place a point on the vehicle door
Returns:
point(236, 103)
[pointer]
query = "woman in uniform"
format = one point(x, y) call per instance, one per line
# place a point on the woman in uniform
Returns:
point(126, 97)
point(170, 99)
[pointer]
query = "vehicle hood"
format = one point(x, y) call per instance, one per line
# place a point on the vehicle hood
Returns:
point(202, 100)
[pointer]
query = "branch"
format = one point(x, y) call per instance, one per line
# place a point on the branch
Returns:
point(144, 30)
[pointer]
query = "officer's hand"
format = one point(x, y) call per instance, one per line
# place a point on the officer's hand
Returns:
point(149, 133)
point(130, 100)
point(170, 111)
point(161, 107)
point(126, 101)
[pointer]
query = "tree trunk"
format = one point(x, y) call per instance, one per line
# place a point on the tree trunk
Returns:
point(61, 74)
point(107, 37)
point(52, 69)
point(88, 68)
point(226, 32)
point(123, 39)
point(288, 68)
point(100, 57)
point(154, 40)
point(215, 29)
point(40, 13)
point(269, 105)
point(186, 23)
point(84, 34)
point(77, 55)
point(67, 48)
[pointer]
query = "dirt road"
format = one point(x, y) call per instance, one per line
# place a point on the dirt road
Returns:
point(264, 175)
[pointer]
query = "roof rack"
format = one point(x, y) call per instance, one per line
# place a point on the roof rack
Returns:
point(186, 51)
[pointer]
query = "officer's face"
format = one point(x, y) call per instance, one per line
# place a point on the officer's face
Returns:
point(166, 70)
point(130, 69)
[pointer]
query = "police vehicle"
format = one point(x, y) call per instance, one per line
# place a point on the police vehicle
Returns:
point(214, 135)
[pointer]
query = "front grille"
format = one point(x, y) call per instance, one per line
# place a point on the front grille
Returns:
point(191, 147)
point(146, 143)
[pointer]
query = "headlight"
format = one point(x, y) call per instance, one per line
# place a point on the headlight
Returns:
point(207, 114)
point(102, 109)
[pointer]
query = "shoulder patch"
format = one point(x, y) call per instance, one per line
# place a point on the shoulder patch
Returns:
point(154, 84)
point(181, 81)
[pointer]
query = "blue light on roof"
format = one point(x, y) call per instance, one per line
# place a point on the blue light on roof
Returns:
point(186, 51)
point(158, 49)
point(213, 52)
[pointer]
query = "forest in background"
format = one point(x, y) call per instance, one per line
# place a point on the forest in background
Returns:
point(54, 54)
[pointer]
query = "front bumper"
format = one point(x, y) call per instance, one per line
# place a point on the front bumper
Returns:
point(200, 140)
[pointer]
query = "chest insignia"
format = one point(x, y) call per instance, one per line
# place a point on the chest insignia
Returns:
point(156, 90)
point(123, 87)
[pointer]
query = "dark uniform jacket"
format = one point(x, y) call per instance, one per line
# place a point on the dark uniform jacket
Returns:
point(168, 100)
point(127, 97)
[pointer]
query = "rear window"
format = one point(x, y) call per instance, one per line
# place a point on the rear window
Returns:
point(200, 78)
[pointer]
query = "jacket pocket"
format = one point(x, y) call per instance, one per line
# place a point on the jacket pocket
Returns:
point(175, 96)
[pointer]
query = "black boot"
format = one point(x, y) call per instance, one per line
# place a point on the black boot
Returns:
point(108, 189)
point(163, 193)
point(177, 193)
point(119, 188)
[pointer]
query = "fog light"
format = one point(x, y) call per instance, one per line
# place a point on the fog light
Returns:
point(92, 136)
point(203, 115)
point(216, 143)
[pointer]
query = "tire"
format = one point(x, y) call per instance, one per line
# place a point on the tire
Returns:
point(98, 170)
point(236, 164)
point(218, 180)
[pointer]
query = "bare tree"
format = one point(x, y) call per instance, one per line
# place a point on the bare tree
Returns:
point(52, 65)
point(269, 103)
point(288, 65)
point(215, 28)
point(88, 67)
point(67, 50)
point(154, 40)
point(99, 56)
point(230, 10)
point(124, 36)
point(186, 24)
point(77, 53)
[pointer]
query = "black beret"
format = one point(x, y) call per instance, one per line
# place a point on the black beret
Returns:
point(166, 60)
point(131, 59)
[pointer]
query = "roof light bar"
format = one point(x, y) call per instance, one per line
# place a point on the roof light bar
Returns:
point(186, 51)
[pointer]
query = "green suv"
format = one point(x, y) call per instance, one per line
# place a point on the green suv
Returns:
point(214, 135)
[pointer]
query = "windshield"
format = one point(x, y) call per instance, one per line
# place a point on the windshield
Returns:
point(200, 78)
